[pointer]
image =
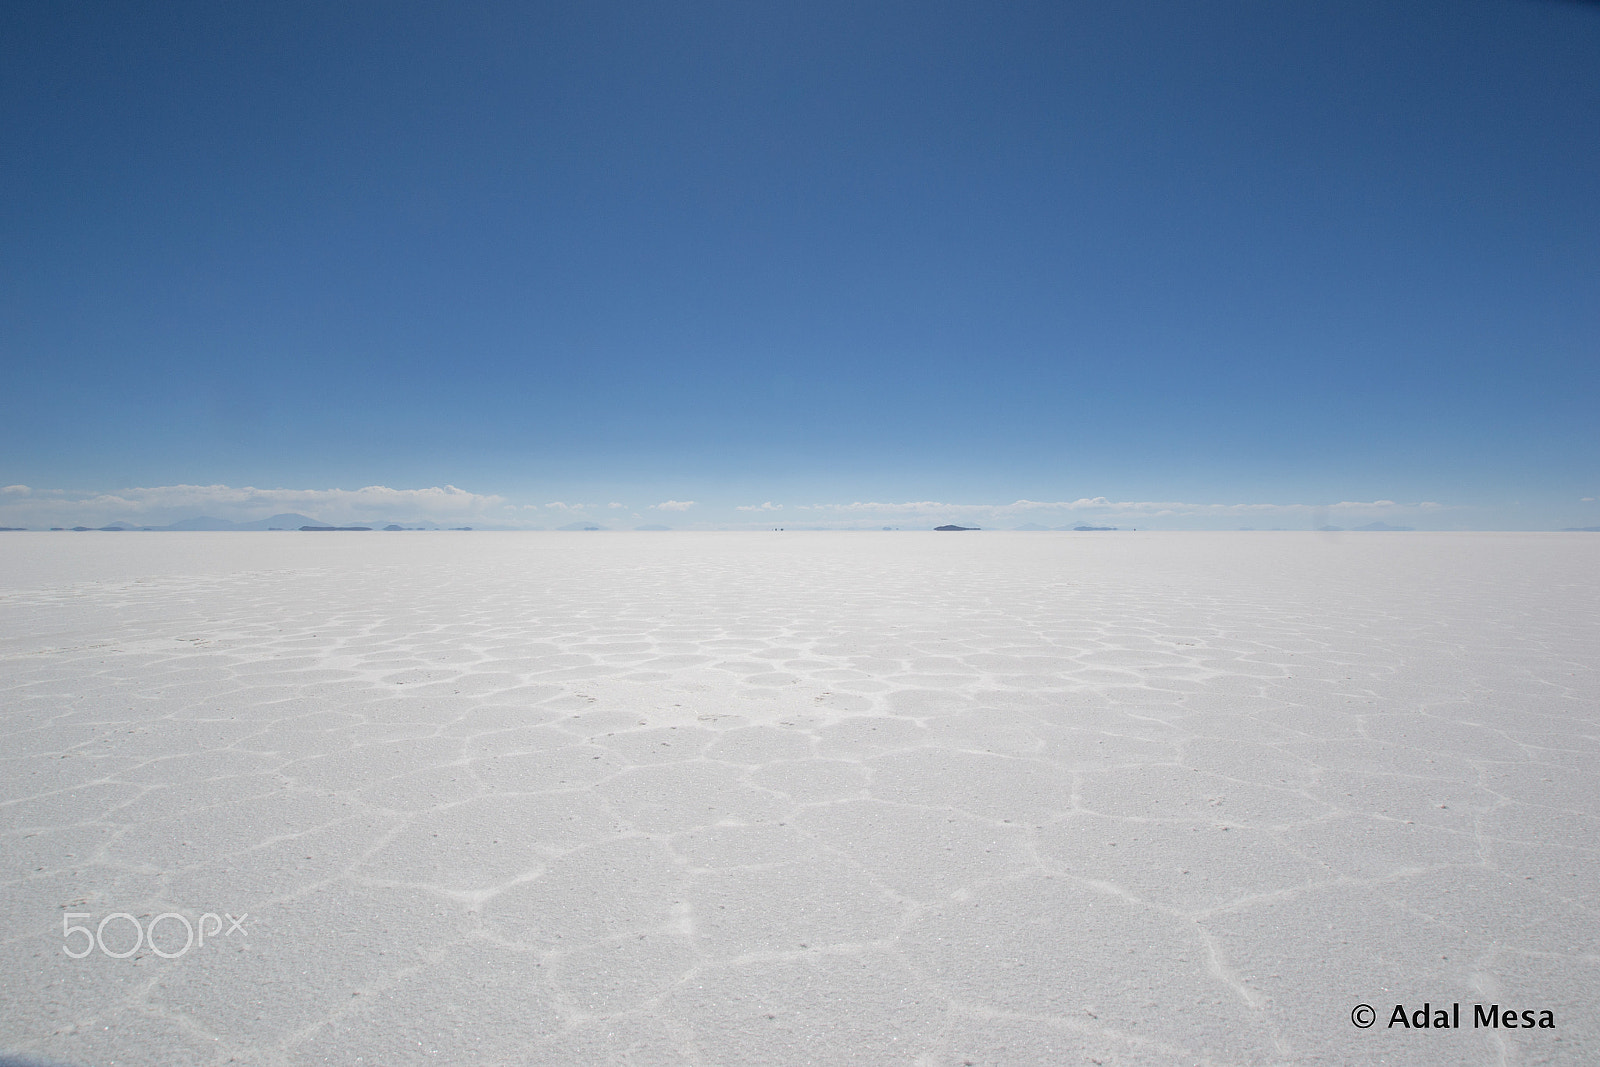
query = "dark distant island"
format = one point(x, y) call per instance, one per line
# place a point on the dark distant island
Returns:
point(13, 529)
point(1087, 529)
point(332, 529)
point(942, 528)
point(1580, 529)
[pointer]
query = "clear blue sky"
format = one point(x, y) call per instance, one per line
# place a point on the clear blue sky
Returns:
point(1206, 253)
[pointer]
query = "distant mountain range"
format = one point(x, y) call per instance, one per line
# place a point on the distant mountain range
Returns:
point(285, 521)
point(293, 520)
point(1035, 527)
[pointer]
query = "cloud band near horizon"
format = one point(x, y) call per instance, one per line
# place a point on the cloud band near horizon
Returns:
point(157, 505)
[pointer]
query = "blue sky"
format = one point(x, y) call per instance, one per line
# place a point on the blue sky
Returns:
point(1174, 264)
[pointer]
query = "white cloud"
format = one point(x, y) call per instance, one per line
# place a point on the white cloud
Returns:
point(1584, 499)
point(1103, 504)
point(1100, 507)
point(157, 505)
point(768, 506)
point(674, 505)
point(614, 504)
point(20, 490)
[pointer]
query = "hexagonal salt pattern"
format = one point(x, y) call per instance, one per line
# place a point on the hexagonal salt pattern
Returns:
point(796, 798)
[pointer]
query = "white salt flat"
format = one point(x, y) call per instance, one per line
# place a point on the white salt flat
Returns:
point(791, 798)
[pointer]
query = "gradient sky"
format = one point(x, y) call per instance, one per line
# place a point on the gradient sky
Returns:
point(918, 257)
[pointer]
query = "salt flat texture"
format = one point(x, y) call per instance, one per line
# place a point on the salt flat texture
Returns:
point(789, 798)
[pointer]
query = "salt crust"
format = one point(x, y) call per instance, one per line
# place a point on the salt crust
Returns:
point(791, 798)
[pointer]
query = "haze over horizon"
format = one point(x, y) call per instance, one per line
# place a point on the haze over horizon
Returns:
point(746, 265)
